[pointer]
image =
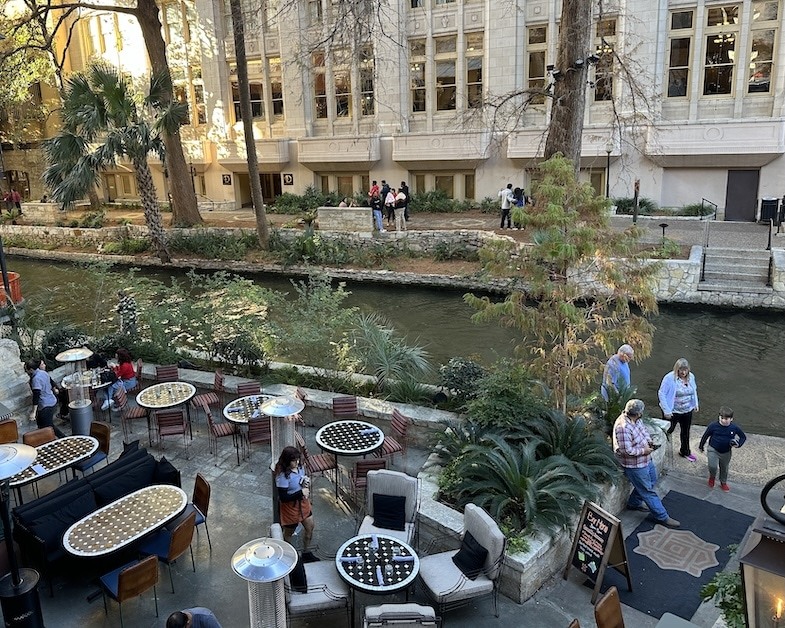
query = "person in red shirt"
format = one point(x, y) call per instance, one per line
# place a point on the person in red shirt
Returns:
point(126, 376)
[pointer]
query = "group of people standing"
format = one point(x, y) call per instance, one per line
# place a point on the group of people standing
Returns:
point(678, 400)
point(511, 198)
point(385, 200)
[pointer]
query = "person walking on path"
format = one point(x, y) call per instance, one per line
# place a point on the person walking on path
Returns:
point(405, 189)
point(632, 446)
point(400, 205)
point(389, 206)
point(507, 200)
point(617, 371)
point(196, 617)
point(293, 490)
point(722, 436)
point(45, 393)
point(678, 395)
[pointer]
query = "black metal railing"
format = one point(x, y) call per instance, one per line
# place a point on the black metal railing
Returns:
point(704, 202)
point(706, 226)
point(769, 282)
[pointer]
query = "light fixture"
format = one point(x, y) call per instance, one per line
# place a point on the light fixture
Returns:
point(592, 59)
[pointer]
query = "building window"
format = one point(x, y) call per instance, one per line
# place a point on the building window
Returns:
point(315, 11)
point(367, 99)
point(537, 46)
point(445, 61)
point(764, 33)
point(319, 85)
point(200, 108)
point(419, 184)
point(325, 184)
point(679, 56)
point(605, 41)
point(722, 25)
point(256, 88)
point(417, 73)
point(474, 48)
point(468, 186)
point(345, 186)
point(276, 85)
point(416, 4)
point(445, 183)
point(270, 14)
point(343, 93)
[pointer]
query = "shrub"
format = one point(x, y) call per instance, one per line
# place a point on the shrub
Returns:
point(627, 205)
point(433, 201)
point(489, 205)
point(59, 339)
point(446, 251)
point(668, 249)
point(695, 209)
point(241, 351)
point(726, 590)
point(505, 398)
point(127, 246)
point(212, 245)
point(461, 376)
point(408, 390)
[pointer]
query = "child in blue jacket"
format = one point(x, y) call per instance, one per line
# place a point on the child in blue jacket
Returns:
point(723, 436)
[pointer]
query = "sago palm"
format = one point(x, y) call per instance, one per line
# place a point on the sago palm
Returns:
point(101, 123)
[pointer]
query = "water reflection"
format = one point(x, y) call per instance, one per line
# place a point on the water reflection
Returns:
point(737, 357)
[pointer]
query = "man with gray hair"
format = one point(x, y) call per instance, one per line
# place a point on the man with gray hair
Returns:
point(633, 447)
point(617, 371)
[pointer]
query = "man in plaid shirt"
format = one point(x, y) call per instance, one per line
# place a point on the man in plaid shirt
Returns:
point(633, 447)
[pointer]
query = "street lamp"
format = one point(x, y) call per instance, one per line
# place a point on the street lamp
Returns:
point(608, 151)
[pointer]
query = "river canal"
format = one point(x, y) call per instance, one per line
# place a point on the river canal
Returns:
point(736, 356)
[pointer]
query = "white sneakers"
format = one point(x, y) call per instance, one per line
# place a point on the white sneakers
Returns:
point(105, 405)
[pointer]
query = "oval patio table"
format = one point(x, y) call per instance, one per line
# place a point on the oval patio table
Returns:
point(166, 395)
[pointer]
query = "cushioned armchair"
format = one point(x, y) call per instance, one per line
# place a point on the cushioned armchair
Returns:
point(323, 591)
point(480, 556)
point(385, 490)
point(400, 616)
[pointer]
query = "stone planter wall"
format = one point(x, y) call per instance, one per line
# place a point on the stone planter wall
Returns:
point(357, 220)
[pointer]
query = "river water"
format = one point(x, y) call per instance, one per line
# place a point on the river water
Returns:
point(737, 356)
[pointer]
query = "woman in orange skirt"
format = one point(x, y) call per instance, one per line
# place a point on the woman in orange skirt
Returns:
point(293, 490)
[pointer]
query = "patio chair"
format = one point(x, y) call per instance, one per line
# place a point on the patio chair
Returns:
point(386, 489)
point(169, 546)
point(218, 431)
point(481, 555)
point(407, 615)
point(607, 610)
point(38, 437)
point(358, 476)
point(102, 432)
point(172, 423)
point(319, 463)
point(138, 388)
point(259, 430)
point(167, 373)
point(9, 431)
point(129, 413)
point(199, 505)
point(325, 591)
point(245, 389)
point(345, 407)
point(574, 624)
point(399, 424)
point(214, 397)
point(130, 581)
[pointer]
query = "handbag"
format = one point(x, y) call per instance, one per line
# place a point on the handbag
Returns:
point(108, 377)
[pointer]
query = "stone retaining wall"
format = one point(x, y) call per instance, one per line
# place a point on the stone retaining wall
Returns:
point(357, 220)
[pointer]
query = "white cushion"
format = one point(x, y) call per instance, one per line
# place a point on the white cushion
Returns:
point(367, 527)
point(326, 590)
point(386, 482)
point(446, 582)
point(399, 615)
point(486, 533)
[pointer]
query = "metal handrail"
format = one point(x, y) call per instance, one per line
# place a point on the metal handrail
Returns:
point(704, 202)
point(771, 263)
point(706, 226)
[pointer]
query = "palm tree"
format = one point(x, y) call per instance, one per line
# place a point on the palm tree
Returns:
point(101, 122)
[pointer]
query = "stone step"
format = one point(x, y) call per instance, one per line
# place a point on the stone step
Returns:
point(734, 286)
point(734, 269)
point(710, 275)
point(738, 253)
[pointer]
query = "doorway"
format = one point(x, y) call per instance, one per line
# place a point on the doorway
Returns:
point(741, 195)
point(271, 186)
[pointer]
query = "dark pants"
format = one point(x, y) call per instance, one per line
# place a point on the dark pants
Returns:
point(505, 216)
point(684, 421)
point(44, 417)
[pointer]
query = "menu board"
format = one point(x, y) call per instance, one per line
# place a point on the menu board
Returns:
point(598, 543)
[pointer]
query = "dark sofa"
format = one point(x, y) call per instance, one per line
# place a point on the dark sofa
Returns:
point(39, 525)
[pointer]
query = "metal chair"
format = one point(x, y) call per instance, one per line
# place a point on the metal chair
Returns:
point(217, 431)
point(398, 443)
point(407, 615)
point(245, 389)
point(9, 431)
point(167, 373)
point(169, 546)
point(358, 477)
point(41, 436)
point(199, 505)
point(259, 430)
point(574, 624)
point(345, 407)
point(172, 423)
point(607, 610)
point(102, 432)
point(320, 463)
point(129, 413)
point(130, 581)
point(396, 484)
point(446, 585)
point(138, 370)
point(214, 397)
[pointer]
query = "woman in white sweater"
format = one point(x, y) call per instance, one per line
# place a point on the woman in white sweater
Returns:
point(678, 397)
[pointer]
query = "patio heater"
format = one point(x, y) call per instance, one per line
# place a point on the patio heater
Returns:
point(19, 588)
point(75, 358)
point(763, 564)
point(283, 422)
point(264, 563)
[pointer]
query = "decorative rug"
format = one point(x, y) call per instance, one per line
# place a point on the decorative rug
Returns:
point(669, 567)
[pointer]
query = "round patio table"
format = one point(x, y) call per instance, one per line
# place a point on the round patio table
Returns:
point(349, 438)
point(242, 410)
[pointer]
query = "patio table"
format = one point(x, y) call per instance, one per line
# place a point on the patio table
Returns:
point(242, 410)
point(166, 395)
point(349, 438)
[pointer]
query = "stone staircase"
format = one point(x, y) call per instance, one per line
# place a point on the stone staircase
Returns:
point(735, 270)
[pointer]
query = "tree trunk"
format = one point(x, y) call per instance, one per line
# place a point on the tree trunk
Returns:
point(569, 93)
point(152, 212)
point(185, 212)
point(238, 27)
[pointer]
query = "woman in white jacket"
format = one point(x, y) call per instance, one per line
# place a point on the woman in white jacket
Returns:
point(678, 397)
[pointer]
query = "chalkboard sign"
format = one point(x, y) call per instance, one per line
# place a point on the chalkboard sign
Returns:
point(598, 543)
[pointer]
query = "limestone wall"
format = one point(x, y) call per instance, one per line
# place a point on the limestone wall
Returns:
point(14, 383)
point(358, 220)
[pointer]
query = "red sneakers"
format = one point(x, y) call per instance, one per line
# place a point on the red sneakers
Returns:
point(711, 482)
point(724, 487)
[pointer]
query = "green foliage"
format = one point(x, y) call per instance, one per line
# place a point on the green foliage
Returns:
point(489, 205)
point(726, 590)
point(668, 249)
point(505, 398)
point(437, 201)
point(58, 339)
point(29, 242)
point(608, 411)
point(309, 247)
point(242, 352)
point(127, 246)
point(213, 245)
point(588, 287)
point(461, 376)
point(408, 390)
point(288, 203)
point(627, 205)
point(447, 251)
point(11, 215)
point(695, 209)
point(92, 220)
point(517, 540)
